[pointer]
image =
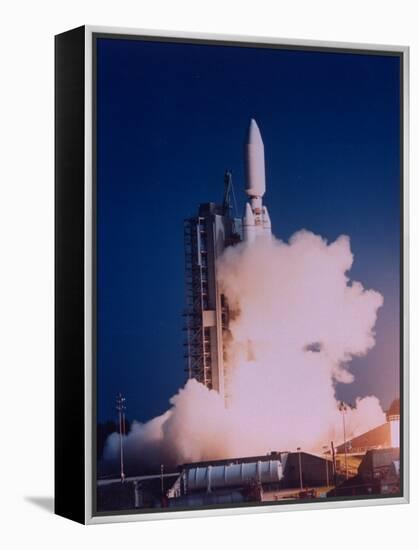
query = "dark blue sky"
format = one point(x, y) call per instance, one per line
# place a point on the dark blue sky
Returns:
point(170, 119)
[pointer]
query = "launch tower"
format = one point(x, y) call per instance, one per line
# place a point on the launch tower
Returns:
point(206, 237)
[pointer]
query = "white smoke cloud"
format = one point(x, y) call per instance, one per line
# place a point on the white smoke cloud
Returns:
point(297, 322)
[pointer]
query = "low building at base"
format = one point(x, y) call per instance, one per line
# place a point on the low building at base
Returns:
point(272, 477)
point(378, 474)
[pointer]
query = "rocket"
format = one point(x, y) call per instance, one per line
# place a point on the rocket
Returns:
point(256, 220)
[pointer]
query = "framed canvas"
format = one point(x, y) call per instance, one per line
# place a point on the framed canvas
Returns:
point(231, 274)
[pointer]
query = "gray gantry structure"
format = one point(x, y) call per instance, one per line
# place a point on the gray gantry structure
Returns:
point(207, 315)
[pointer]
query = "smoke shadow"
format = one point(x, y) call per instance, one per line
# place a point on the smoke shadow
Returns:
point(45, 503)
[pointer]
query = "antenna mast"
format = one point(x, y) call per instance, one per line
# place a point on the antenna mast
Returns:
point(121, 408)
point(228, 190)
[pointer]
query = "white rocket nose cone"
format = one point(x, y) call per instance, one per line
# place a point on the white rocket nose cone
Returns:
point(253, 134)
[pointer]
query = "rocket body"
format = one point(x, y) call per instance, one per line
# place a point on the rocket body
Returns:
point(256, 221)
point(249, 226)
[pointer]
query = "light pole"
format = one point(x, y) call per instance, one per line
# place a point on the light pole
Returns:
point(343, 408)
point(161, 478)
point(325, 449)
point(300, 467)
point(120, 407)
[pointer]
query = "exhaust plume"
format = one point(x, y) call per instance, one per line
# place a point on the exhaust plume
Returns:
point(296, 322)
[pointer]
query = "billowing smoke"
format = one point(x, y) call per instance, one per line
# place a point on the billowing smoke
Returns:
point(297, 321)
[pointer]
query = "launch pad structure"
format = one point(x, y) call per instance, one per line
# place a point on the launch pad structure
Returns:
point(206, 316)
point(206, 236)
